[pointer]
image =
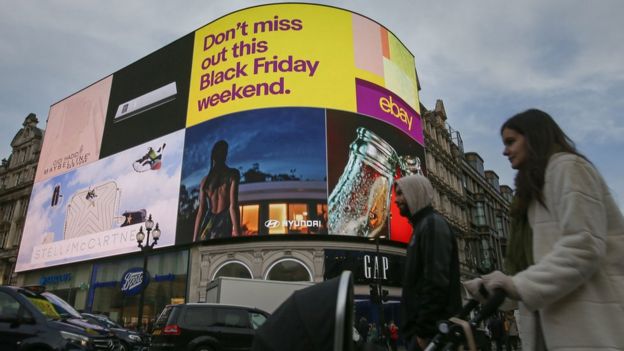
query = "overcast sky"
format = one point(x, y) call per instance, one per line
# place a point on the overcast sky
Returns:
point(486, 59)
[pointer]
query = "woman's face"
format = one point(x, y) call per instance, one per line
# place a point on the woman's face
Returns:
point(515, 147)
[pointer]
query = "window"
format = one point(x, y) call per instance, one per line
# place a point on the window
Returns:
point(232, 318)
point(8, 307)
point(292, 218)
point(499, 226)
point(249, 219)
point(277, 212)
point(486, 263)
point(8, 211)
point(297, 215)
point(289, 270)
point(3, 237)
point(199, 317)
point(479, 214)
point(321, 215)
point(233, 269)
point(257, 319)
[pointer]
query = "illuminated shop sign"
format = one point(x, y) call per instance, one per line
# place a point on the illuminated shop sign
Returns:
point(113, 283)
point(226, 132)
point(133, 281)
point(55, 279)
point(364, 265)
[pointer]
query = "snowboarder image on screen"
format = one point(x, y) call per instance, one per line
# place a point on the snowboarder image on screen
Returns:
point(152, 160)
point(218, 215)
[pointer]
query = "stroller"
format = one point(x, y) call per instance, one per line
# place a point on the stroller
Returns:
point(457, 331)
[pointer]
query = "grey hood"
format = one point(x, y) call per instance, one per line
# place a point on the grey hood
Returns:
point(417, 190)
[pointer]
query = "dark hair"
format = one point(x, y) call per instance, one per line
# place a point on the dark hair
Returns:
point(543, 138)
point(218, 169)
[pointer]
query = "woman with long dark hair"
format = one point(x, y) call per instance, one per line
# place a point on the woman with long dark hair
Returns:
point(565, 253)
point(218, 215)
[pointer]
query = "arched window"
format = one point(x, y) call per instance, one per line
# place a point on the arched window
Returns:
point(290, 270)
point(235, 269)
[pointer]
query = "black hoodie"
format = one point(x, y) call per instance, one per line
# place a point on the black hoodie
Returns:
point(431, 285)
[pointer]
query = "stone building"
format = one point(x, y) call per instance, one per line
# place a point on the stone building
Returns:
point(17, 173)
point(468, 196)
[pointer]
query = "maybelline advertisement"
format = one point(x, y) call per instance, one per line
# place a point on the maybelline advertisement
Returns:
point(73, 135)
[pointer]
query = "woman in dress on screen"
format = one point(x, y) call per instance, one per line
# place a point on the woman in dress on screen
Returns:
point(218, 215)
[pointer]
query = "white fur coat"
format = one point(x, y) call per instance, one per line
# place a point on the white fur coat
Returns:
point(577, 282)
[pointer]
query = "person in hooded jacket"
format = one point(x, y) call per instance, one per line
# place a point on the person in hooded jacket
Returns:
point(431, 284)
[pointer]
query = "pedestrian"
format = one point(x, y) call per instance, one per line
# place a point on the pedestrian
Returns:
point(373, 336)
point(512, 332)
point(362, 328)
point(564, 253)
point(431, 285)
point(393, 330)
point(497, 332)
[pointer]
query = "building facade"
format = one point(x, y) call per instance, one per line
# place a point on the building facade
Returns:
point(16, 180)
point(469, 196)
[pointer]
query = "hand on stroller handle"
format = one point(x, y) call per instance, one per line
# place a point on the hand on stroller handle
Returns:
point(457, 331)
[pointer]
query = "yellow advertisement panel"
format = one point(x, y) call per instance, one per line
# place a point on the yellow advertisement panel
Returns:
point(293, 55)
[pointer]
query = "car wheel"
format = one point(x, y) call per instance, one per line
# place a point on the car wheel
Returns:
point(203, 348)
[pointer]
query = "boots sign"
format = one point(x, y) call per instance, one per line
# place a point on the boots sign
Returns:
point(133, 281)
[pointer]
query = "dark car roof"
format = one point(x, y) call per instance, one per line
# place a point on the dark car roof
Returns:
point(18, 289)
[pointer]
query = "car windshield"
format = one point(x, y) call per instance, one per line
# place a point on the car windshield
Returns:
point(102, 320)
point(64, 309)
point(44, 306)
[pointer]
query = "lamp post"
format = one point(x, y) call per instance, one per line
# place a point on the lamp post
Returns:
point(146, 249)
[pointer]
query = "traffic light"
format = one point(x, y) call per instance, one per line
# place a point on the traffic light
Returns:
point(384, 295)
point(374, 294)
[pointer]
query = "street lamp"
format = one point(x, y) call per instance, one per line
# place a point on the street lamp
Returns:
point(377, 288)
point(146, 249)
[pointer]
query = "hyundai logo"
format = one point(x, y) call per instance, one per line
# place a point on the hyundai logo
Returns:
point(272, 223)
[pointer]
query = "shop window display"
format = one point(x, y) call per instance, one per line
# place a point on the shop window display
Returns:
point(167, 285)
point(233, 269)
point(289, 270)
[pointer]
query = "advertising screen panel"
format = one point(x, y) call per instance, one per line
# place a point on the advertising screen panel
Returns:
point(96, 210)
point(274, 169)
point(74, 131)
point(283, 119)
point(293, 55)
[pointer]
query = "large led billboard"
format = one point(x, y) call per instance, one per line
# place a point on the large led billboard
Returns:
point(283, 119)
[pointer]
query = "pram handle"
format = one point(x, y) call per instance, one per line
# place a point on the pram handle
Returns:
point(490, 307)
point(450, 333)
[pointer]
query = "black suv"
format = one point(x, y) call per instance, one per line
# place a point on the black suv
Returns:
point(129, 340)
point(42, 321)
point(206, 327)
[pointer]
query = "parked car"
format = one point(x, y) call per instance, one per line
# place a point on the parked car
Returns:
point(31, 320)
point(129, 340)
point(206, 327)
